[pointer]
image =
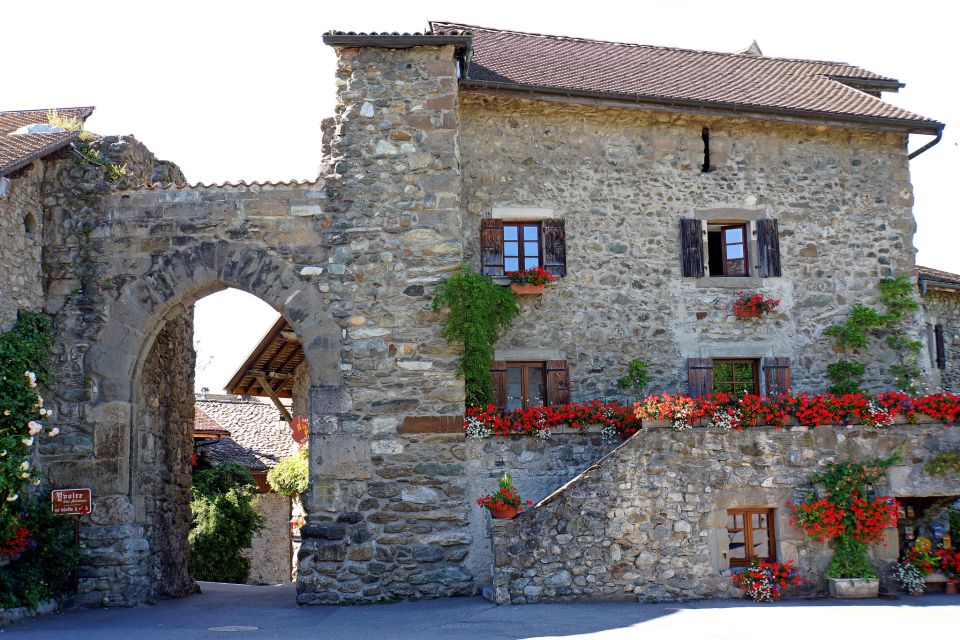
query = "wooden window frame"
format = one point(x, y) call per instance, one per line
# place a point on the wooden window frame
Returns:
point(754, 362)
point(525, 366)
point(521, 256)
point(747, 512)
point(745, 227)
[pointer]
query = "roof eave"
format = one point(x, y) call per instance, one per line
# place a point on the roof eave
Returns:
point(395, 41)
point(929, 127)
point(36, 155)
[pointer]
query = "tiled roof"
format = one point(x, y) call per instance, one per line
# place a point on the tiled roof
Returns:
point(258, 439)
point(205, 426)
point(742, 82)
point(17, 151)
point(935, 275)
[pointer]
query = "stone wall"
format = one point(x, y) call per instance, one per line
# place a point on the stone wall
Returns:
point(942, 307)
point(162, 446)
point(622, 178)
point(649, 520)
point(21, 227)
point(419, 522)
point(269, 553)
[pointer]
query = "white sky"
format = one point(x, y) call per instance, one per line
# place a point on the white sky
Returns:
point(236, 90)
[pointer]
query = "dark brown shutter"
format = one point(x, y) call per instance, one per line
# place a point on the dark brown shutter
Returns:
point(700, 371)
point(776, 374)
point(558, 382)
point(691, 248)
point(768, 242)
point(491, 247)
point(555, 247)
point(941, 346)
point(498, 374)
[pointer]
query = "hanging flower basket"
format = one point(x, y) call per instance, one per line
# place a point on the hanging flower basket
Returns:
point(505, 512)
point(505, 502)
point(747, 313)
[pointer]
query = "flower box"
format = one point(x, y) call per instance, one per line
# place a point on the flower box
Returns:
point(657, 424)
point(527, 289)
point(747, 313)
point(854, 587)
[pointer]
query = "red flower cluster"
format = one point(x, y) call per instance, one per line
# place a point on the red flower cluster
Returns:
point(765, 581)
point(872, 517)
point(502, 498)
point(810, 410)
point(16, 544)
point(949, 563)
point(922, 559)
point(538, 276)
point(821, 520)
point(578, 415)
point(754, 303)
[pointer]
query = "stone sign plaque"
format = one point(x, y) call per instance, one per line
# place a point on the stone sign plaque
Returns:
point(70, 501)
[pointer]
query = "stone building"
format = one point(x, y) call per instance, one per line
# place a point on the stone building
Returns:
point(256, 439)
point(653, 182)
point(940, 291)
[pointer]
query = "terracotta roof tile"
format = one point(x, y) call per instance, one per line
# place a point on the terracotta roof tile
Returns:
point(17, 151)
point(683, 77)
point(258, 439)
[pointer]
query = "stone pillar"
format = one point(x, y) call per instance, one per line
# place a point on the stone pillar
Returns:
point(395, 156)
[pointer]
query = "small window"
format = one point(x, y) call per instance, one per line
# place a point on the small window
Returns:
point(521, 246)
point(751, 536)
point(940, 346)
point(727, 250)
point(526, 385)
point(736, 377)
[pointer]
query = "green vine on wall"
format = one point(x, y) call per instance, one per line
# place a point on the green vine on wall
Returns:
point(853, 335)
point(478, 310)
point(636, 378)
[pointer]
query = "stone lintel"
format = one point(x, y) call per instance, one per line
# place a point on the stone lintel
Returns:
point(522, 213)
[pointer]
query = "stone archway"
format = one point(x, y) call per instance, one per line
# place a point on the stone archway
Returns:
point(148, 345)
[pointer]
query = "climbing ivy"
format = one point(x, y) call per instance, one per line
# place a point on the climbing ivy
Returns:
point(478, 310)
point(636, 378)
point(853, 334)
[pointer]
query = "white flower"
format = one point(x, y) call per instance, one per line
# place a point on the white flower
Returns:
point(12, 498)
point(477, 429)
point(24, 475)
point(32, 377)
point(36, 482)
point(25, 465)
point(543, 434)
point(53, 431)
point(34, 427)
point(6, 412)
point(28, 441)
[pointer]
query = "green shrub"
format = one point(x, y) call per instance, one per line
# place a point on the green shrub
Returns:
point(636, 378)
point(291, 475)
point(478, 310)
point(43, 570)
point(223, 523)
point(943, 462)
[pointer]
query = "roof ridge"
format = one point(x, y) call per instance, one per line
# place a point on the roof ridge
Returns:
point(651, 46)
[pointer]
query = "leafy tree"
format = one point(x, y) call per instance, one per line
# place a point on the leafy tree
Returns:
point(291, 475)
point(224, 522)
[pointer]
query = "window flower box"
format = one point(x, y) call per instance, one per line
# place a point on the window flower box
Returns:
point(747, 313)
point(527, 289)
point(753, 305)
point(530, 282)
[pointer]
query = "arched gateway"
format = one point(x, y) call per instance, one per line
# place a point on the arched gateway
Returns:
point(344, 259)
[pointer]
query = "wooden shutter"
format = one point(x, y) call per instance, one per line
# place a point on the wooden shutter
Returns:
point(941, 346)
point(491, 247)
point(776, 374)
point(558, 382)
point(554, 247)
point(768, 243)
point(691, 248)
point(498, 375)
point(700, 372)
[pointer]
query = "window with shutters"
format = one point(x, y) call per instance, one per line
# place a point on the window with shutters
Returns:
point(516, 245)
point(729, 248)
point(521, 385)
point(738, 376)
point(751, 536)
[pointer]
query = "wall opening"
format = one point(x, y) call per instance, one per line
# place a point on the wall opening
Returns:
point(705, 136)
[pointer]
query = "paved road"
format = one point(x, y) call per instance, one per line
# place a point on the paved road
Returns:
point(245, 612)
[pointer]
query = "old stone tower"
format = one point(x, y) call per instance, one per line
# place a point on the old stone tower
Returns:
point(436, 156)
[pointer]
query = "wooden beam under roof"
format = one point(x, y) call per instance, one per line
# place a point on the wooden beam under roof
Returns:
point(276, 357)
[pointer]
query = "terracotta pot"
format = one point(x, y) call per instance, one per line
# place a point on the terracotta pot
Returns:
point(527, 289)
point(504, 513)
point(951, 587)
point(747, 313)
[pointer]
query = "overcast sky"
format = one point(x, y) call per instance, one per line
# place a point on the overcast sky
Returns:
point(236, 90)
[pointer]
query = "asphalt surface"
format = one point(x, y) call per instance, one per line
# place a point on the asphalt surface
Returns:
point(248, 612)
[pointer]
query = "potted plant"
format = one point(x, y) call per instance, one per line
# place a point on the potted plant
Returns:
point(765, 581)
point(850, 521)
point(505, 502)
point(753, 305)
point(912, 569)
point(530, 282)
point(950, 567)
